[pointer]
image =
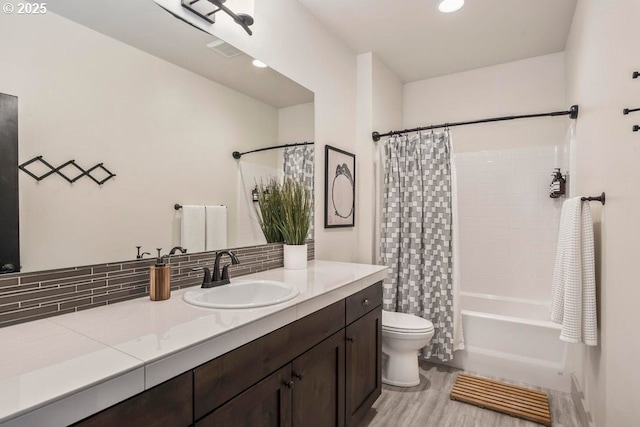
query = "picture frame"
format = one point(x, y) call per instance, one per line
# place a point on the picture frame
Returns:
point(339, 188)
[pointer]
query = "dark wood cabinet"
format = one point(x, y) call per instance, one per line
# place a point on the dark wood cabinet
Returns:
point(318, 389)
point(168, 404)
point(312, 372)
point(309, 391)
point(363, 365)
point(266, 404)
point(221, 379)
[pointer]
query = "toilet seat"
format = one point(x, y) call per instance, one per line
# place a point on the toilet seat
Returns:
point(405, 323)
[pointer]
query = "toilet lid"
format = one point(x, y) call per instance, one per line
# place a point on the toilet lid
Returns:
point(392, 321)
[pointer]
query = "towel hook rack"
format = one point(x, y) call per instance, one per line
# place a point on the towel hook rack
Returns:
point(600, 198)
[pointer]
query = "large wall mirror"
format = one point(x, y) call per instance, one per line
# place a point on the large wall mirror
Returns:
point(162, 105)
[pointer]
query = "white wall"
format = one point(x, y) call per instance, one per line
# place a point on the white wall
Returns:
point(379, 107)
point(602, 52)
point(533, 85)
point(296, 123)
point(289, 39)
point(165, 132)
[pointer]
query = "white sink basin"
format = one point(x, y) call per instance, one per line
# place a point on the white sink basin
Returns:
point(242, 294)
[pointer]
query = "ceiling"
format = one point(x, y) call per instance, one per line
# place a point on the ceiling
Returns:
point(144, 25)
point(418, 42)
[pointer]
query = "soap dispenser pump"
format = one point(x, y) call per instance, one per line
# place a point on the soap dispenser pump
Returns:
point(558, 184)
point(160, 280)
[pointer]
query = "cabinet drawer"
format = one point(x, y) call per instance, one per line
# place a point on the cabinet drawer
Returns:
point(363, 302)
point(221, 379)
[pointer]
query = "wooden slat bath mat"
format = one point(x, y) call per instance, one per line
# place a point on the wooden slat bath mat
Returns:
point(521, 402)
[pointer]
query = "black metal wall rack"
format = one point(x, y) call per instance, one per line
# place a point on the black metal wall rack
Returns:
point(58, 170)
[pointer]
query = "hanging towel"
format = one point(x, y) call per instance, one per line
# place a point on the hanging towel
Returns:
point(192, 230)
point(573, 300)
point(216, 229)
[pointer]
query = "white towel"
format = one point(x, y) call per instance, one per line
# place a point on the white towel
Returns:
point(216, 230)
point(192, 230)
point(573, 300)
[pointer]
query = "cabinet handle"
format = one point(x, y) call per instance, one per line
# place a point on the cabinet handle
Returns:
point(365, 302)
point(289, 383)
point(350, 339)
point(298, 375)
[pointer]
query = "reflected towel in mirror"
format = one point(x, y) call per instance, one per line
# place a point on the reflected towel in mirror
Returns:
point(192, 230)
point(216, 228)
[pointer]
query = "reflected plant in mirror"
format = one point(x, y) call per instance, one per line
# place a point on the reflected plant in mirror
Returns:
point(270, 209)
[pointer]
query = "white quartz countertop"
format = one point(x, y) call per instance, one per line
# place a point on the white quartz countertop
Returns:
point(62, 369)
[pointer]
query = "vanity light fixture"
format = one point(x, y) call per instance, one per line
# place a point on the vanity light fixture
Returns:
point(206, 9)
point(448, 6)
point(259, 64)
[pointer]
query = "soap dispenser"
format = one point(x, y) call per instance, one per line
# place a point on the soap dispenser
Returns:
point(558, 184)
point(160, 280)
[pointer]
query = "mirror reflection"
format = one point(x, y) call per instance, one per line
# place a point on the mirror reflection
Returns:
point(164, 114)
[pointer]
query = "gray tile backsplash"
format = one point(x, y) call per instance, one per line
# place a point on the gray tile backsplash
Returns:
point(30, 296)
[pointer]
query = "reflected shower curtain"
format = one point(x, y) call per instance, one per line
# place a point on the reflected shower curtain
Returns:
point(417, 239)
point(299, 165)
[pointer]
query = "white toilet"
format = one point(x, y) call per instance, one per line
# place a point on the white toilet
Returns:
point(402, 336)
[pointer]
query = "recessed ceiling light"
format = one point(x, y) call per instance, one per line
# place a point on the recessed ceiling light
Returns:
point(448, 6)
point(258, 63)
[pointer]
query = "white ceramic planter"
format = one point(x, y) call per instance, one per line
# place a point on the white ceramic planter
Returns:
point(295, 257)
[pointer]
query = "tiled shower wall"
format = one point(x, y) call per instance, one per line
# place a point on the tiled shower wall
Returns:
point(508, 223)
point(31, 296)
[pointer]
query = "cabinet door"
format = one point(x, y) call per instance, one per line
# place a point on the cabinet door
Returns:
point(168, 404)
point(364, 357)
point(319, 384)
point(266, 404)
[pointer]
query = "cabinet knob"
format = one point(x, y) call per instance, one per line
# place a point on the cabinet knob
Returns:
point(351, 339)
point(298, 375)
point(289, 383)
point(365, 302)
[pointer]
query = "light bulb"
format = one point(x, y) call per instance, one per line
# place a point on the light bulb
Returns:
point(448, 6)
point(258, 63)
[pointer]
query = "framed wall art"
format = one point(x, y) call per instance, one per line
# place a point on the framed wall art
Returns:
point(339, 188)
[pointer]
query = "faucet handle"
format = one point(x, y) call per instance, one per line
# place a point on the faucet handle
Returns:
point(206, 280)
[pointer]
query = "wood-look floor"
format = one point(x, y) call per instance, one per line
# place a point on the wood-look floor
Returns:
point(428, 405)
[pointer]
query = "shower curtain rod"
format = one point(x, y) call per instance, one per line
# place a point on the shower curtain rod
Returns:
point(236, 154)
point(572, 113)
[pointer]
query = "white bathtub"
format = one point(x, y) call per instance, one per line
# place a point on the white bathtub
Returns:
point(512, 339)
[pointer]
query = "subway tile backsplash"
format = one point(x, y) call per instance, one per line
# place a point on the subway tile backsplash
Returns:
point(508, 223)
point(30, 296)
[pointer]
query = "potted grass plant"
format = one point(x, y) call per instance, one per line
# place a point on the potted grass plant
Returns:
point(270, 209)
point(294, 223)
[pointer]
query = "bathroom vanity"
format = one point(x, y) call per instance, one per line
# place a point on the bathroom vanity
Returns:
point(315, 360)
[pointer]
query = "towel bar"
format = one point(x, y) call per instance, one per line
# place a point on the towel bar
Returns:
point(600, 198)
